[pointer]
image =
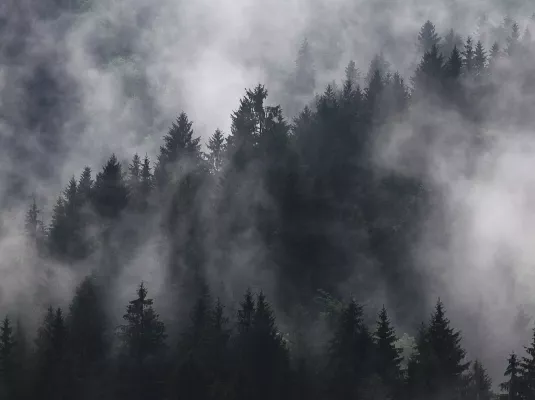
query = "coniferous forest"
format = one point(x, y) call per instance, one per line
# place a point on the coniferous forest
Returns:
point(298, 216)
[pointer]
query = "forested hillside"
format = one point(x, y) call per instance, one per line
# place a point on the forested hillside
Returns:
point(285, 248)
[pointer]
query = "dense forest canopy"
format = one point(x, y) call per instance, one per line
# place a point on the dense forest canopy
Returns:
point(313, 247)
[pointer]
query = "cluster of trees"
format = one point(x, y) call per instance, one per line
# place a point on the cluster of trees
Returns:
point(303, 200)
point(77, 355)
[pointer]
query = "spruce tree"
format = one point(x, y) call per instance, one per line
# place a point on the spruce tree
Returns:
point(468, 55)
point(479, 384)
point(513, 386)
point(8, 373)
point(480, 59)
point(445, 344)
point(428, 75)
point(216, 154)
point(110, 191)
point(453, 66)
point(146, 179)
point(181, 149)
point(34, 227)
point(513, 40)
point(388, 357)
point(352, 74)
point(246, 312)
point(85, 185)
point(88, 342)
point(143, 335)
point(305, 79)
point(349, 354)
point(428, 38)
point(52, 362)
point(527, 365)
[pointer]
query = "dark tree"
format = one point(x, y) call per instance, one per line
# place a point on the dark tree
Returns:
point(527, 365)
point(216, 154)
point(350, 353)
point(8, 372)
point(428, 38)
point(34, 227)
point(88, 343)
point(513, 385)
point(143, 341)
point(110, 191)
point(479, 383)
point(387, 356)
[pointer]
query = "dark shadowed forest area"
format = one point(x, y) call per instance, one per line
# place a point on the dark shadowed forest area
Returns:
point(294, 256)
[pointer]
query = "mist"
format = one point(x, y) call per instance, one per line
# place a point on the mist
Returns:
point(82, 80)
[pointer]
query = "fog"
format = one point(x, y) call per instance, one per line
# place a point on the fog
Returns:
point(127, 69)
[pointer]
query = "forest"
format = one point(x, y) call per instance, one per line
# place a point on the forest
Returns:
point(297, 214)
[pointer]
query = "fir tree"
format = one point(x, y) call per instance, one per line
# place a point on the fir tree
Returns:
point(480, 384)
point(388, 356)
point(468, 55)
point(85, 185)
point(349, 354)
point(513, 386)
point(180, 146)
point(528, 370)
point(246, 312)
point(34, 226)
point(216, 155)
point(88, 344)
point(305, 79)
point(513, 40)
point(454, 64)
point(143, 335)
point(110, 191)
point(428, 38)
point(451, 40)
point(428, 74)
point(7, 358)
point(480, 59)
point(445, 344)
point(352, 74)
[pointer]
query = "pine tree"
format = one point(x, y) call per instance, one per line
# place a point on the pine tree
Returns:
point(428, 38)
point(305, 74)
point(454, 64)
point(445, 344)
point(87, 342)
point(34, 227)
point(528, 370)
point(388, 356)
point(144, 334)
point(51, 356)
point(480, 384)
point(146, 178)
point(480, 59)
point(110, 191)
point(216, 155)
point(349, 354)
point(7, 358)
point(352, 74)
point(246, 312)
point(58, 231)
point(513, 386)
point(468, 55)
point(451, 40)
point(513, 40)
point(428, 74)
point(85, 185)
point(180, 146)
